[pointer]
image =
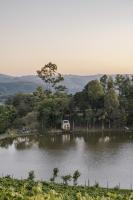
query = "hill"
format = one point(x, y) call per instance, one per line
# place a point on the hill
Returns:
point(10, 85)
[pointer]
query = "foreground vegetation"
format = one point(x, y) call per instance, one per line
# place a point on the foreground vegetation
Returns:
point(104, 103)
point(12, 189)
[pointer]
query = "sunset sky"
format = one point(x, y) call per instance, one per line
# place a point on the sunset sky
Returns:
point(81, 36)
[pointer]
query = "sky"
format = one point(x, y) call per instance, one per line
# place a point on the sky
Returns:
point(80, 36)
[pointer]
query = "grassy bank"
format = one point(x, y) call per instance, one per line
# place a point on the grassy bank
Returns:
point(29, 190)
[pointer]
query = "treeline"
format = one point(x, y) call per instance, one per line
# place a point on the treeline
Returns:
point(104, 103)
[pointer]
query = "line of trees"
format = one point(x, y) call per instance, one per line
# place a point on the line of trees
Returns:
point(104, 103)
point(65, 178)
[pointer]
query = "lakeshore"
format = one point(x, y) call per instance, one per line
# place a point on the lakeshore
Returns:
point(17, 133)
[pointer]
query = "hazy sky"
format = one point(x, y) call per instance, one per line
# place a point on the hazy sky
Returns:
point(80, 36)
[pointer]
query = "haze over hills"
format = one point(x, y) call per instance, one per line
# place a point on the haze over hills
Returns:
point(10, 85)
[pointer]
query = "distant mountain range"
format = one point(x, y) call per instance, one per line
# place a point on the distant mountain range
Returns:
point(10, 85)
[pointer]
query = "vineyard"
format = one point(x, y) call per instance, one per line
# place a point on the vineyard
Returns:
point(12, 189)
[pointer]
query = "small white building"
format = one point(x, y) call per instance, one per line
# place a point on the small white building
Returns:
point(66, 125)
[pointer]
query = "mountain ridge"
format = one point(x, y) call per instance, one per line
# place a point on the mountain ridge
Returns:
point(10, 85)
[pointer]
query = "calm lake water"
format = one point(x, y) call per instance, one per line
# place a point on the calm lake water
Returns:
point(98, 158)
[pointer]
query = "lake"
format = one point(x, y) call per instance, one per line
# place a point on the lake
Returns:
point(101, 158)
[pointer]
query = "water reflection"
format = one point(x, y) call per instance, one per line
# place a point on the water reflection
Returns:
point(5, 143)
point(63, 140)
point(100, 157)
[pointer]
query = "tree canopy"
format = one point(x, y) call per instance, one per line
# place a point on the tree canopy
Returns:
point(104, 103)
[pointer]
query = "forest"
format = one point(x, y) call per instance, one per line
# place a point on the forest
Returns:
point(105, 103)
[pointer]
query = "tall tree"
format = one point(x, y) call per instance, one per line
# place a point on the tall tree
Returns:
point(110, 83)
point(7, 115)
point(52, 109)
point(50, 76)
point(103, 81)
point(23, 103)
point(95, 94)
point(111, 102)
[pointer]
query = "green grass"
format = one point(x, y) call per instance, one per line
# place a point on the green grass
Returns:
point(13, 189)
